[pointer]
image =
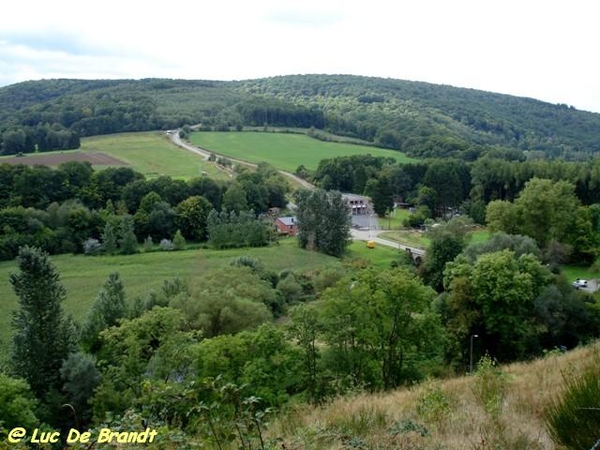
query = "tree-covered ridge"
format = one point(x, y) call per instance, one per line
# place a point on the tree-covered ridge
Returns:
point(423, 117)
point(419, 118)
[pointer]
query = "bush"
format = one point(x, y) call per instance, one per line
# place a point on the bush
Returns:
point(166, 245)
point(92, 246)
point(247, 261)
point(179, 242)
point(490, 386)
point(148, 244)
point(433, 404)
point(573, 419)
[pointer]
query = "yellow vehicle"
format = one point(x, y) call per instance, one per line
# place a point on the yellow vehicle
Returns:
point(370, 244)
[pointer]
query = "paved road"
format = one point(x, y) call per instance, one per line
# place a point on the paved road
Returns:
point(174, 134)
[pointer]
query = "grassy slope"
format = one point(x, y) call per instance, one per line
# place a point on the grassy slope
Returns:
point(83, 276)
point(283, 150)
point(152, 154)
point(370, 419)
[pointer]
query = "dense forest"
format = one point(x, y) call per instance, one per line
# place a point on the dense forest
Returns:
point(420, 119)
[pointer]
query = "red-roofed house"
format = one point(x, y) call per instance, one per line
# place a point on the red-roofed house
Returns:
point(287, 225)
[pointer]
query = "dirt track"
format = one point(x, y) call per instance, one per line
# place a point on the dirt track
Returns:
point(54, 159)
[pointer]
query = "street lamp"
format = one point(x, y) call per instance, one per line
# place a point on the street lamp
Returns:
point(471, 353)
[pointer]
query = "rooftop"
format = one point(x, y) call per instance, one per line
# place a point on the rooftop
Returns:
point(288, 220)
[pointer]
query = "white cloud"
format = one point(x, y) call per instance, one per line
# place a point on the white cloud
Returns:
point(537, 49)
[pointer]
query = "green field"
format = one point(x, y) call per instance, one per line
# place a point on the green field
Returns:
point(395, 220)
point(412, 238)
point(152, 154)
point(380, 256)
point(283, 150)
point(571, 272)
point(83, 276)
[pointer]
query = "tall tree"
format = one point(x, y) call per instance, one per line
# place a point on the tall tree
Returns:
point(127, 238)
point(378, 323)
point(43, 334)
point(447, 242)
point(381, 193)
point(323, 221)
point(192, 215)
point(108, 307)
point(442, 176)
point(234, 198)
point(502, 290)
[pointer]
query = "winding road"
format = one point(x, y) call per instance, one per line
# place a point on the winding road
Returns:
point(359, 235)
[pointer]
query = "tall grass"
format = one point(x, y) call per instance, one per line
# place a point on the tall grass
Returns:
point(573, 418)
point(444, 414)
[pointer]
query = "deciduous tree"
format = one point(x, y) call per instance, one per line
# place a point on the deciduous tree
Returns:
point(323, 221)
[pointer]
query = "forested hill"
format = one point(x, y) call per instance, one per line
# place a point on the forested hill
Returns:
point(421, 119)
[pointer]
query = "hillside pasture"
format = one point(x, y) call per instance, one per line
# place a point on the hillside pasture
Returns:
point(150, 153)
point(284, 151)
point(153, 154)
point(83, 276)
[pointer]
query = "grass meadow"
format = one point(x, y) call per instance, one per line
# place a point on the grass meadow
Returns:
point(283, 150)
point(380, 256)
point(83, 276)
point(152, 154)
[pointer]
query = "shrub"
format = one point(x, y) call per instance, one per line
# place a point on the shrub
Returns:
point(179, 242)
point(166, 245)
point(433, 404)
point(247, 261)
point(573, 419)
point(490, 386)
point(92, 246)
point(148, 244)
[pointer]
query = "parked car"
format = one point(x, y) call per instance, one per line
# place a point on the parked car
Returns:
point(580, 283)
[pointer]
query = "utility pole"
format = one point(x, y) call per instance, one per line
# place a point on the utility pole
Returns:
point(471, 353)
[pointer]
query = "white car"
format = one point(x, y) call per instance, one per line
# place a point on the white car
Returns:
point(580, 283)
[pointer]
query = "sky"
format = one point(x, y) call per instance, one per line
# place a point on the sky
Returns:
point(541, 49)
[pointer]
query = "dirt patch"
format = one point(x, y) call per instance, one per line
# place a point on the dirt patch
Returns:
point(54, 159)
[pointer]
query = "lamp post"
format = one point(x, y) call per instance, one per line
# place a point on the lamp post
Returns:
point(471, 353)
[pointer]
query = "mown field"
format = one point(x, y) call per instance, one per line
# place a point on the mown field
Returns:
point(83, 276)
point(152, 154)
point(283, 150)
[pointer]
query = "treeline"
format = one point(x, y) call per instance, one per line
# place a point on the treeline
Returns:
point(421, 119)
point(41, 138)
point(60, 210)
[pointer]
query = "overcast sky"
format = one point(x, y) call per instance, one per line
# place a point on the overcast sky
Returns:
point(541, 49)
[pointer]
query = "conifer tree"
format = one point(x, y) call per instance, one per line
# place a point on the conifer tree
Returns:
point(43, 334)
point(109, 238)
point(108, 307)
point(127, 238)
